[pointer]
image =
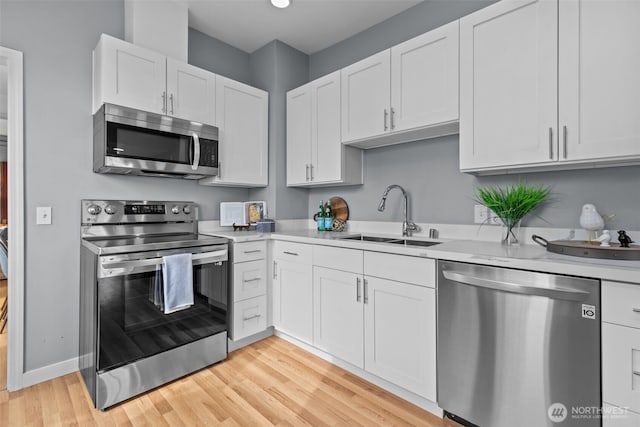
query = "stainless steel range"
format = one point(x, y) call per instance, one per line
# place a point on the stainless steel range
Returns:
point(130, 341)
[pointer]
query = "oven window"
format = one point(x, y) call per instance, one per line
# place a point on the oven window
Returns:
point(131, 327)
point(147, 144)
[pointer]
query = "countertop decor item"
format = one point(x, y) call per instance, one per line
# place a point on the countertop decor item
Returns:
point(593, 249)
point(511, 204)
point(339, 208)
point(591, 220)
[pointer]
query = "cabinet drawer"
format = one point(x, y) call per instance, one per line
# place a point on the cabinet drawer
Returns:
point(419, 271)
point(338, 258)
point(621, 366)
point(249, 317)
point(292, 252)
point(613, 416)
point(249, 251)
point(619, 300)
point(249, 279)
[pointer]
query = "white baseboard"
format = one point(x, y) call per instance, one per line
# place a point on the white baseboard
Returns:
point(49, 372)
point(419, 401)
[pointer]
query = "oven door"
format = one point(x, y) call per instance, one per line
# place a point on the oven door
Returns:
point(130, 324)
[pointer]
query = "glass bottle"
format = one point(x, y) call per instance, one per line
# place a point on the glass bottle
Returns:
point(328, 217)
point(320, 217)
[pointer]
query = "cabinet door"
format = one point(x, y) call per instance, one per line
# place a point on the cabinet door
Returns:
point(337, 314)
point(613, 416)
point(326, 146)
point(424, 79)
point(292, 299)
point(621, 366)
point(366, 96)
point(508, 85)
point(400, 334)
point(249, 279)
point(191, 92)
point(129, 75)
point(242, 118)
point(249, 317)
point(299, 135)
point(599, 79)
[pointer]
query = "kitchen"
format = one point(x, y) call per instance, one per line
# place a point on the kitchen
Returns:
point(58, 78)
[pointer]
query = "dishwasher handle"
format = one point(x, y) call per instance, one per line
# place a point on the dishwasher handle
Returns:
point(517, 288)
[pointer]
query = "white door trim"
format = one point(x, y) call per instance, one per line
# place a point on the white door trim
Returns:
point(15, 133)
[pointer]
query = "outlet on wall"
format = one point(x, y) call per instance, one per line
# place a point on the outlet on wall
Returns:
point(480, 214)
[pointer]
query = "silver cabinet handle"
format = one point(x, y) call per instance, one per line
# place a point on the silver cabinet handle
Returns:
point(311, 169)
point(196, 151)
point(393, 124)
point(255, 316)
point(366, 291)
point(357, 289)
point(290, 253)
point(564, 141)
point(307, 173)
point(255, 279)
point(551, 143)
point(636, 373)
point(275, 270)
point(171, 99)
point(164, 102)
point(386, 114)
point(219, 169)
point(636, 310)
point(517, 288)
point(255, 251)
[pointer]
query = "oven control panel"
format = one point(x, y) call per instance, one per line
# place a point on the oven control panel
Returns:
point(127, 212)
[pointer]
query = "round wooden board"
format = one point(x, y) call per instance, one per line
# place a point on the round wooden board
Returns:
point(339, 208)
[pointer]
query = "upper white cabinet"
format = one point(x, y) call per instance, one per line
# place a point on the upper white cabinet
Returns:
point(405, 93)
point(135, 77)
point(315, 154)
point(242, 118)
point(547, 84)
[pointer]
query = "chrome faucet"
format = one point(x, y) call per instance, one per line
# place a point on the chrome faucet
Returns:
point(407, 226)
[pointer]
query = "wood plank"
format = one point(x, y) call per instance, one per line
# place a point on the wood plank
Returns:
point(271, 382)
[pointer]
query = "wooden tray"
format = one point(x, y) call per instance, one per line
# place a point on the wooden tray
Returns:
point(339, 208)
point(583, 248)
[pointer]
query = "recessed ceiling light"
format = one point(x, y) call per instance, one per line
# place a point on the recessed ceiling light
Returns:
point(280, 3)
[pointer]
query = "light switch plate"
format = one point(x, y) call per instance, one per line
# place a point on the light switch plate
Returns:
point(43, 215)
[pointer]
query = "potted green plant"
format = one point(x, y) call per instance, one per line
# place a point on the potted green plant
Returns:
point(511, 204)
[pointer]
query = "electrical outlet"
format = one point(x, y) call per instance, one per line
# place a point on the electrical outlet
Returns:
point(43, 215)
point(480, 214)
point(493, 219)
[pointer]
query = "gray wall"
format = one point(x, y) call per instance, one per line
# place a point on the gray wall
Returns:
point(218, 57)
point(57, 39)
point(278, 68)
point(429, 169)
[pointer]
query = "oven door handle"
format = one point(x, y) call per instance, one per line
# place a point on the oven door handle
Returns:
point(202, 258)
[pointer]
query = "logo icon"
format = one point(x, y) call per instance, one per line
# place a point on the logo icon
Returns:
point(589, 311)
point(557, 412)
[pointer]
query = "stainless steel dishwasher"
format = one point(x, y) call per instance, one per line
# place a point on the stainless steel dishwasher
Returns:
point(518, 348)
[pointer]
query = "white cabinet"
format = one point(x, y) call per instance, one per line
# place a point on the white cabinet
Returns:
point(135, 77)
point(315, 154)
point(400, 334)
point(293, 290)
point(242, 113)
point(338, 321)
point(613, 416)
point(248, 290)
point(621, 347)
point(548, 84)
point(404, 93)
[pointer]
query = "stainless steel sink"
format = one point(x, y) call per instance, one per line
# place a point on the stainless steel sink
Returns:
point(406, 242)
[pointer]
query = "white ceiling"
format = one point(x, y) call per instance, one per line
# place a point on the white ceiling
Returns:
point(307, 25)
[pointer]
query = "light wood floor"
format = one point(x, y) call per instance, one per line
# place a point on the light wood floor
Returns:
point(271, 382)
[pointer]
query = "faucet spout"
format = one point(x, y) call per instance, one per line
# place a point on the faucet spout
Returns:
point(407, 226)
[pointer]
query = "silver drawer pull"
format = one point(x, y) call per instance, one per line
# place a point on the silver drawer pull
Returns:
point(255, 316)
point(636, 310)
point(253, 252)
point(290, 253)
point(255, 279)
point(636, 373)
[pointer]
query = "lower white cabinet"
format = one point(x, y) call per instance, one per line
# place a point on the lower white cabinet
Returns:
point(249, 317)
point(293, 291)
point(338, 320)
point(613, 416)
point(400, 334)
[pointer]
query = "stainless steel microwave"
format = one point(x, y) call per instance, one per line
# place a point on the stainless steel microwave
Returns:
point(133, 142)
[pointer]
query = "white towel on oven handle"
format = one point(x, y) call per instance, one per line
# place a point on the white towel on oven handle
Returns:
point(177, 273)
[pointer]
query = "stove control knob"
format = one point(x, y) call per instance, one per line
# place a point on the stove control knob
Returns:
point(110, 210)
point(186, 209)
point(175, 210)
point(94, 209)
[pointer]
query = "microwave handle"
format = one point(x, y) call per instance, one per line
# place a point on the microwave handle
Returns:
point(205, 257)
point(196, 152)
